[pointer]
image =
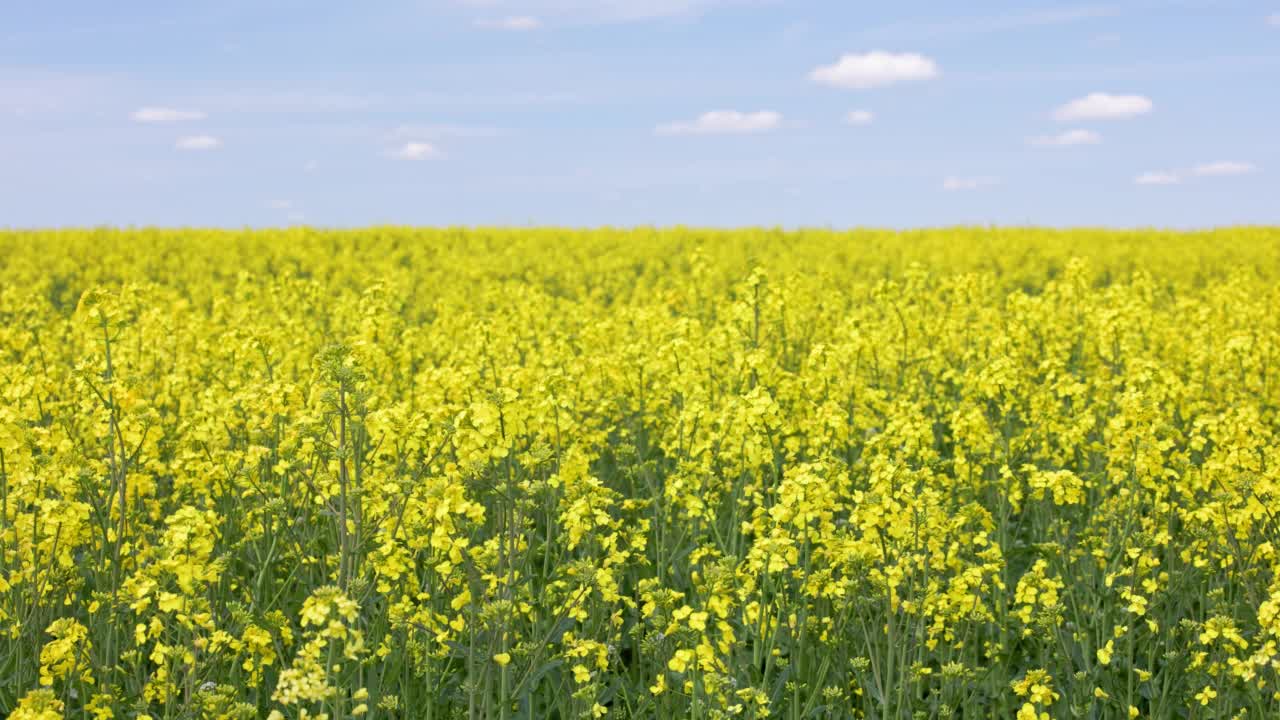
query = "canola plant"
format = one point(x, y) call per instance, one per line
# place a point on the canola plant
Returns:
point(649, 473)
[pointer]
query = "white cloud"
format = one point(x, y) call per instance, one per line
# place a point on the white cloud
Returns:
point(280, 205)
point(1158, 177)
point(1103, 106)
point(1068, 138)
point(417, 151)
point(1274, 19)
point(165, 115)
point(198, 142)
point(724, 122)
point(874, 69)
point(1223, 167)
point(311, 166)
point(954, 184)
point(511, 22)
point(859, 117)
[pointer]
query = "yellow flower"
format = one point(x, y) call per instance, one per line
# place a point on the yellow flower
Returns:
point(100, 706)
point(698, 621)
point(680, 660)
point(1028, 712)
point(315, 451)
point(66, 653)
point(1104, 653)
point(38, 705)
point(169, 602)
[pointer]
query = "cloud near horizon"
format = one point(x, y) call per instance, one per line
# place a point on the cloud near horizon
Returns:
point(962, 184)
point(166, 115)
point(198, 142)
point(1068, 138)
point(724, 122)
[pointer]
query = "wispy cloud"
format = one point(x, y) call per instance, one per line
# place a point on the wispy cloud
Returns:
point(961, 184)
point(1223, 167)
point(198, 142)
point(1158, 177)
point(166, 115)
point(721, 122)
point(1274, 20)
point(416, 151)
point(1104, 106)
point(1220, 168)
point(517, 23)
point(874, 69)
point(1068, 138)
point(859, 117)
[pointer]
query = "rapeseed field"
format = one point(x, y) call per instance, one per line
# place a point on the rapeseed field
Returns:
point(650, 473)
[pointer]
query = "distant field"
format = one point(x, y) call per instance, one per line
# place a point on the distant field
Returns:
point(473, 473)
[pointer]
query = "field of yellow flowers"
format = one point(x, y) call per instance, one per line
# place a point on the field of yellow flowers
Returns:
point(405, 473)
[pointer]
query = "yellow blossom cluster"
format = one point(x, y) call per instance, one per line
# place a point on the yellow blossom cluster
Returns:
point(650, 473)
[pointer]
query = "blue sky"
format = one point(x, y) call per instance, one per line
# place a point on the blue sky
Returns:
point(626, 112)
